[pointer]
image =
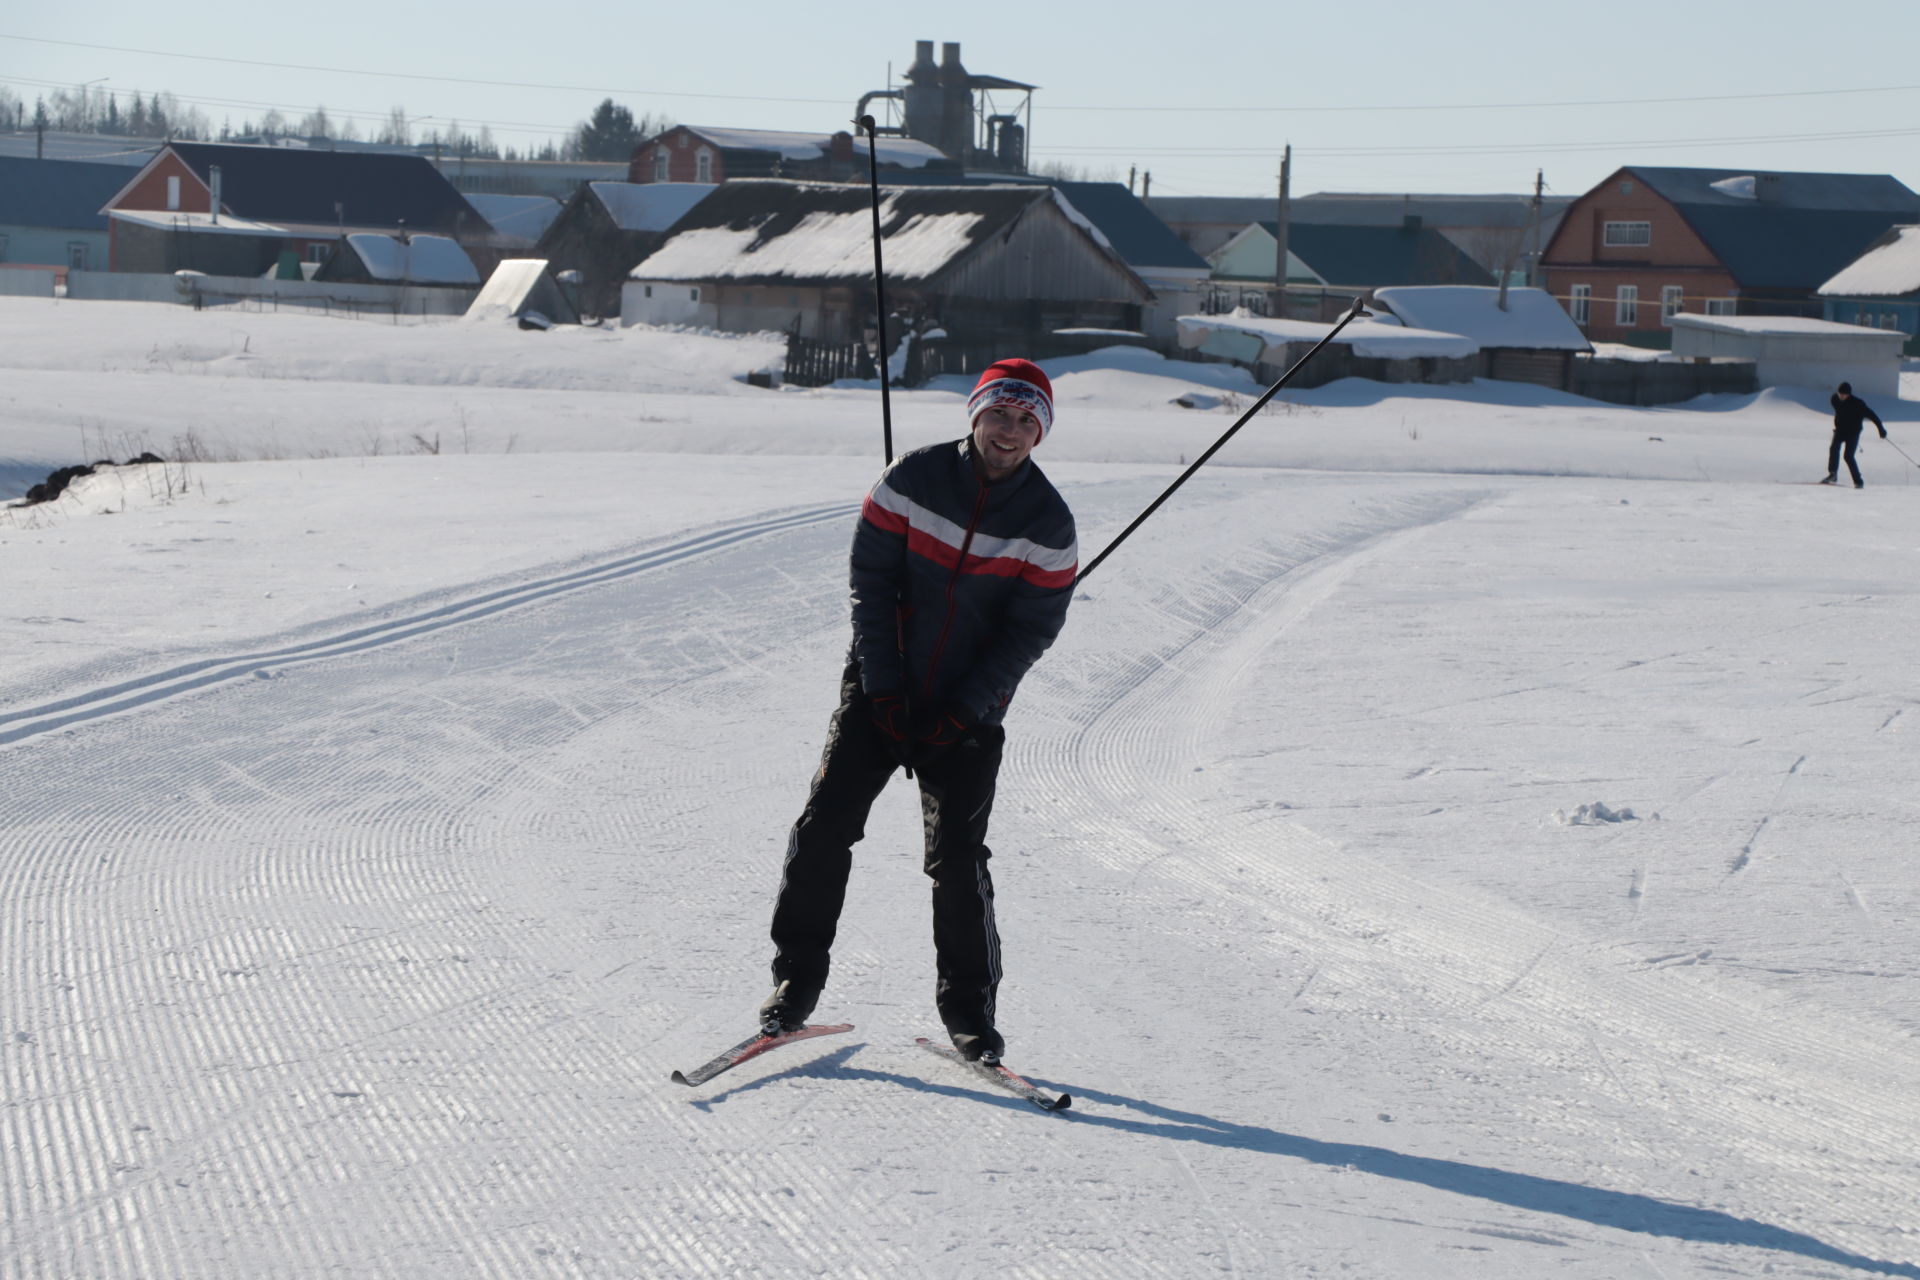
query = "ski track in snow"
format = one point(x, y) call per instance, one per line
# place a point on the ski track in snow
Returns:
point(347, 971)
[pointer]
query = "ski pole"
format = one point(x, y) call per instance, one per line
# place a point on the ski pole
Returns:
point(1902, 452)
point(1202, 459)
point(879, 282)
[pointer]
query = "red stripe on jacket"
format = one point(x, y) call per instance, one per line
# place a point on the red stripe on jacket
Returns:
point(947, 556)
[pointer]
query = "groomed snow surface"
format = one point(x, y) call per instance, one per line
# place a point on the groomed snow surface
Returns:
point(1468, 832)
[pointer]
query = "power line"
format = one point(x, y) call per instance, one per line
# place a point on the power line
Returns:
point(1472, 149)
point(410, 75)
point(341, 113)
point(1162, 109)
point(1498, 106)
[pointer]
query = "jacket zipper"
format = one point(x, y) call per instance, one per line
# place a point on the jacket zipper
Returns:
point(953, 580)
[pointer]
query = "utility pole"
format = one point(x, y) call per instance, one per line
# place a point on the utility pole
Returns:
point(1282, 216)
point(1146, 185)
point(1521, 251)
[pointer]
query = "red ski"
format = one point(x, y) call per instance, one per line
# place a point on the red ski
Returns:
point(752, 1047)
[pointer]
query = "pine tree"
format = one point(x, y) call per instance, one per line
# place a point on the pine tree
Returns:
point(610, 135)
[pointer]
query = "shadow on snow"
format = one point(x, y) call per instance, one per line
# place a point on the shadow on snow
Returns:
point(1620, 1210)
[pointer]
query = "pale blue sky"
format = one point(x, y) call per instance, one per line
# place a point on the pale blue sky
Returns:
point(1382, 96)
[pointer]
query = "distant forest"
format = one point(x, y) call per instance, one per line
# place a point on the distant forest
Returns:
point(608, 134)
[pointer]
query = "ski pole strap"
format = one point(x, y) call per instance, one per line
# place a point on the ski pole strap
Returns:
point(879, 283)
point(1201, 461)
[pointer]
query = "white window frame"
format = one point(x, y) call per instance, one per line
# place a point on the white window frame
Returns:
point(661, 161)
point(318, 251)
point(1580, 304)
point(173, 191)
point(1673, 300)
point(76, 255)
point(1626, 235)
point(703, 165)
point(1626, 306)
point(1722, 306)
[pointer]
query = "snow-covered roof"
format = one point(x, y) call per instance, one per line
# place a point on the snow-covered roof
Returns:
point(1367, 338)
point(649, 206)
point(200, 223)
point(779, 231)
point(1890, 269)
point(904, 153)
point(789, 145)
point(1776, 325)
point(1532, 320)
point(421, 259)
point(527, 217)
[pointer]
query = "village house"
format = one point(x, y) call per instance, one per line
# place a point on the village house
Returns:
point(1647, 244)
point(697, 153)
point(989, 263)
point(607, 227)
point(1329, 264)
point(1880, 288)
point(367, 257)
point(234, 210)
point(50, 212)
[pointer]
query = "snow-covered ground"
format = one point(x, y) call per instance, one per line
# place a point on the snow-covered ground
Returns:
point(382, 826)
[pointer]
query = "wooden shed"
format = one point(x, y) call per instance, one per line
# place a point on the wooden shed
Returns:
point(991, 263)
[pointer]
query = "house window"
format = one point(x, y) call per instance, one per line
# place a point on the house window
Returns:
point(173, 193)
point(660, 159)
point(77, 254)
point(694, 293)
point(3, 248)
point(1580, 304)
point(1673, 300)
point(703, 166)
point(1626, 234)
point(1722, 306)
point(318, 250)
point(746, 297)
point(649, 290)
point(1626, 305)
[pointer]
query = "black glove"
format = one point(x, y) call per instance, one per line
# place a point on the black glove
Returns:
point(1883, 433)
point(934, 732)
point(888, 712)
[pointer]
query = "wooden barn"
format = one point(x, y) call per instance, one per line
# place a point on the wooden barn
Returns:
point(986, 263)
point(607, 227)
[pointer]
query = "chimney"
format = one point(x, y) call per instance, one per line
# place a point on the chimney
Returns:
point(213, 184)
point(956, 105)
point(922, 95)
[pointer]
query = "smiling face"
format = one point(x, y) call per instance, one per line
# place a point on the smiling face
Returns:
point(1003, 436)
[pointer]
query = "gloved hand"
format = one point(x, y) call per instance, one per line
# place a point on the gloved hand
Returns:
point(1883, 433)
point(934, 732)
point(888, 712)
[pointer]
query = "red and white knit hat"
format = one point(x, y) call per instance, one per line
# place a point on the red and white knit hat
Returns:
point(1017, 383)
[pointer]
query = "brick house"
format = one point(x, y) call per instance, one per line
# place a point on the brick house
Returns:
point(1648, 243)
point(271, 200)
point(695, 153)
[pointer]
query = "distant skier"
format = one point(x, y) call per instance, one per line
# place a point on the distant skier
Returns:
point(962, 566)
point(1850, 413)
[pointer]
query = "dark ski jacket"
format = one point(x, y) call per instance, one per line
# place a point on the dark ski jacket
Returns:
point(958, 585)
point(1851, 413)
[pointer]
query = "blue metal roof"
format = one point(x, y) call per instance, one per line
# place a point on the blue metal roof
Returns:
point(1795, 230)
point(1376, 257)
point(1135, 231)
point(66, 194)
point(302, 185)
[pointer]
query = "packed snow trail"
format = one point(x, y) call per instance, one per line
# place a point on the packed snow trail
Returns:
point(379, 966)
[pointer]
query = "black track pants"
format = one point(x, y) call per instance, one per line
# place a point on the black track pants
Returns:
point(1849, 441)
point(956, 799)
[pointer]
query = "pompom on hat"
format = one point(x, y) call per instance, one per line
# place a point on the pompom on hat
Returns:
point(1018, 384)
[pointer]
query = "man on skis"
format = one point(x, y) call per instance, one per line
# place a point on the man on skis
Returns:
point(1850, 414)
point(962, 566)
